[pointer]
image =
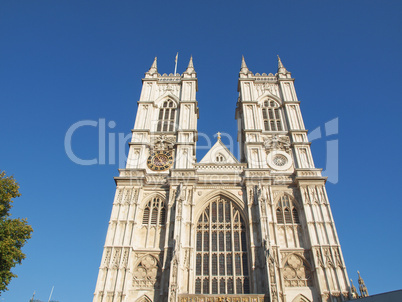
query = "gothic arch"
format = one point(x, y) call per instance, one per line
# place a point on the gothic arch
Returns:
point(296, 271)
point(143, 298)
point(291, 197)
point(272, 114)
point(267, 96)
point(301, 298)
point(150, 197)
point(285, 259)
point(147, 204)
point(138, 261)
point(167, 113)
point(152, 218)
point(204, 202)
point(221, 262)
point(167, 96)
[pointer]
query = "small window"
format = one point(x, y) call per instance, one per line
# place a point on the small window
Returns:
point(286, 212)
point(154, 209)
point(220, 158)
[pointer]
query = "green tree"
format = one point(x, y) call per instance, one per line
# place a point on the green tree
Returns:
point(13, 232)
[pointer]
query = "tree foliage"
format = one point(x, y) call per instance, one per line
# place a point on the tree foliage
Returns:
point(13, 232)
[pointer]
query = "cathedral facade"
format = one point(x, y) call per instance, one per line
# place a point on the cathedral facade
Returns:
point(223, 229)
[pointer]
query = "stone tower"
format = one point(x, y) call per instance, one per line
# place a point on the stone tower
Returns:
point(254, 230)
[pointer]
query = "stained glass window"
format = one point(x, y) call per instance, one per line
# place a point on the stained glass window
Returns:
point(221, 250)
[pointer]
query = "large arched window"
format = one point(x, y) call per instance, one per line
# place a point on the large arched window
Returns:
point(286, 213)
point(272, 116)
point(167, 115)
point(221, 251)
point(154, 212)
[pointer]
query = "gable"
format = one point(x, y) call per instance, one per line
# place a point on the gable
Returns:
point(219, 154)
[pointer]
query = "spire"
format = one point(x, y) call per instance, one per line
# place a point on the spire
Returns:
point(281, 68)
point(153, 69)
point(354, 291)
point(190, 68)
point(244, 69)
point(362, 287)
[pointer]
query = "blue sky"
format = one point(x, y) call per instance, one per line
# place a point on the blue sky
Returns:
point(66, 61)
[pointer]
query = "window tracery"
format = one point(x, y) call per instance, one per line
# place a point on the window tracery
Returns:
point(272, 116)
point(286, 212)
point(154, 212)
point(221, 250)
point(296, 272)
point(167, 115)
point(147, 273)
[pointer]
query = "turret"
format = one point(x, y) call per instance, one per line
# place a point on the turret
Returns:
point(362, 287)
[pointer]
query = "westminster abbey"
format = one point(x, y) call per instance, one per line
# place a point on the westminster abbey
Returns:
point(223, 229)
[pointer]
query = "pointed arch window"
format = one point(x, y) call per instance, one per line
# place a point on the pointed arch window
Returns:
point(154, 213)
point(221, 250)
point(286, 212)
point(272, 116)
point(167, 116)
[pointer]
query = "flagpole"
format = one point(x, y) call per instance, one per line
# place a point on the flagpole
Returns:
point(175, 65)
point(50, 297)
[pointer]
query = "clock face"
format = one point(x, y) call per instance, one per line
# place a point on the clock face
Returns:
point(160, 160)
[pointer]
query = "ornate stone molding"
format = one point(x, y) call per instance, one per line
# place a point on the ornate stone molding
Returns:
point(222, 298)
point(277, 143)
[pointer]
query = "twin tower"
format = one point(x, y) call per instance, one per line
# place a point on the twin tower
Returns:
point(223, 229)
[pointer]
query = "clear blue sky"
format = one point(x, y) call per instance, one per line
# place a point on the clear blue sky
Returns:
point(65, 61)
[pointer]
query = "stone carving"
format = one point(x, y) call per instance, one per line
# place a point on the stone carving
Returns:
point(258, 173)
point(125, 259)
point(303, 159)
point(221, 298)
point(319, 258)
point(172, 199)
point(119, 195)
point(306, 196)
point(337, 257)
point(274, 293)
point(181, 192)
point(156, 179)
point(168, 87)
point(322, 195)
point(173, 278)
point(116, 258)
point(107, 258)
point(328, 257)
point(163, 142)
point(147, 273)
point(135, 197)
point(251, 197)
point(262, 193)
point(267, 87)
point(127, 198)
point(325, 296)
point(276, 142)
point(296, 273)
point(293, 117)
